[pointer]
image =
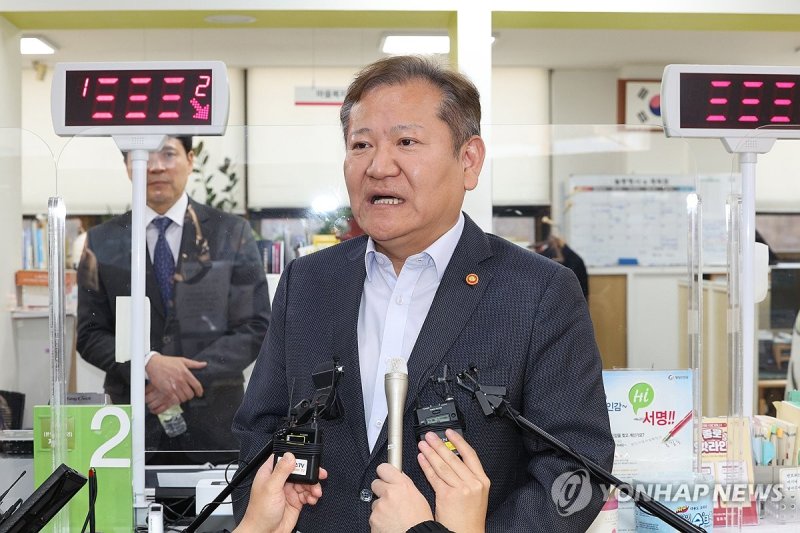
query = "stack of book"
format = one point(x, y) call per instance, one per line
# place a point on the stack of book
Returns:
point(33, 293)
point(273, 255)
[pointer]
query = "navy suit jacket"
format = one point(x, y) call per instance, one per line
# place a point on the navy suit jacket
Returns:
point(221, 316)
point(526, 326)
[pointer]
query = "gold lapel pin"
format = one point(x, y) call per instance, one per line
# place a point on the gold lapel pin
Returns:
point(471, 279)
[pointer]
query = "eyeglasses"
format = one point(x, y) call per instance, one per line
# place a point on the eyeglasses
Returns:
point(166, 157)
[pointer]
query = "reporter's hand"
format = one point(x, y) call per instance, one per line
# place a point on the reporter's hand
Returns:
point(462, 488)
point(275, 504)
point(172, 375)
point(399, 506)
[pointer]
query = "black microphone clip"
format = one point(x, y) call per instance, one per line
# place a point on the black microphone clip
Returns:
point(491, 398)
point(301, 434)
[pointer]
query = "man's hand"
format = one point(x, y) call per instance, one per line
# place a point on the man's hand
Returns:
point(158, 402)
point(400, 506)
point(171, 377)
point(462, 487)
point(274, 504)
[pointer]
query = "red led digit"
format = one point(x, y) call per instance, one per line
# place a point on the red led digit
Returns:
point(782, 102)
point(105, 98)
point(138, 97)
point(719, 98)
point(172, 93)
point(750, 101)
point(85, 87)
point(205, 81)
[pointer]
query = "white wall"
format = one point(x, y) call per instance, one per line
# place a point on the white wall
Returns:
point(580, 98)
point(520, 140)
point(295, 153)
point(778, 178)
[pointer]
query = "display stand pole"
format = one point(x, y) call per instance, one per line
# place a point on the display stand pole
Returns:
point(747, 163)
point(139, 148)
point(139, 180)
point(741, 298)
point(747, 149)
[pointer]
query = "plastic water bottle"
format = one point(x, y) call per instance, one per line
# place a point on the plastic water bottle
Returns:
point(172, 421)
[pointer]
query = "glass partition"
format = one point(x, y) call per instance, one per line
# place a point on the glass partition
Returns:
point(608, 201)
point(29, 356)
point(645, 221)
point(29, 172)
point(618, 202)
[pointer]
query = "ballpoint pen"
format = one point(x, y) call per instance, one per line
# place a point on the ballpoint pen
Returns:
point(677, 427)
point(92, 498)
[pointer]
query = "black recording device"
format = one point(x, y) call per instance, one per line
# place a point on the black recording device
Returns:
point(305, 443)
point(296, 432)
point(301, 434)
point(439, 417)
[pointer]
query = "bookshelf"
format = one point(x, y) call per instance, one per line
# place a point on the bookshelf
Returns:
point(284, 234)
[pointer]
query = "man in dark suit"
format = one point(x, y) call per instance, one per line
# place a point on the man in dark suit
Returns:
point(428, 285)
point(208, 314)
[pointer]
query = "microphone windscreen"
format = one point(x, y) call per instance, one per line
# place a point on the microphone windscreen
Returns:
point(396, 365)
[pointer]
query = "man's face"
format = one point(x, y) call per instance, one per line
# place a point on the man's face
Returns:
point(406, 185)
point(167, 173)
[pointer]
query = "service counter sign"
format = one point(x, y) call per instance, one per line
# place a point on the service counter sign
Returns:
point(98, 436)
point(651, 420)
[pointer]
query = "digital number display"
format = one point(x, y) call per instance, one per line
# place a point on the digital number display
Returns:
point(138, 97)
point(731, 101)
point(738, 101)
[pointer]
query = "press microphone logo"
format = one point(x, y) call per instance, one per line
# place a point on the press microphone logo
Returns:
point(571, 492)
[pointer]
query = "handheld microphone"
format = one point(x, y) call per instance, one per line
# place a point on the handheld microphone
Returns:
point(396, 387)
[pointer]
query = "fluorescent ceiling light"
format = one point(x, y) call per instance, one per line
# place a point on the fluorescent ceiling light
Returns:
point(415, 44)
point(36, 45)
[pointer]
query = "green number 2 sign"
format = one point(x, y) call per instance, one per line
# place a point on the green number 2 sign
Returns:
point(98, 436)
point(99, 459)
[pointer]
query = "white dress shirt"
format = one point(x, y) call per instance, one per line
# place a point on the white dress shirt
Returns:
point(174, 231)
point(393, 309)
point(173, 235)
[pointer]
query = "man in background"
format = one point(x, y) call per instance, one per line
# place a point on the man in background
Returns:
point(209, 306)
point(427, 284)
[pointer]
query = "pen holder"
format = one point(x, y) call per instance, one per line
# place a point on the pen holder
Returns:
point(783, 503)
point(784, 511)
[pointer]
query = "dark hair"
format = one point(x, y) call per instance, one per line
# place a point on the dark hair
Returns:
point(460, 107)
point(185, 140)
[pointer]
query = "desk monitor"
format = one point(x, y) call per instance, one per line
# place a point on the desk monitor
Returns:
point(45, 502)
